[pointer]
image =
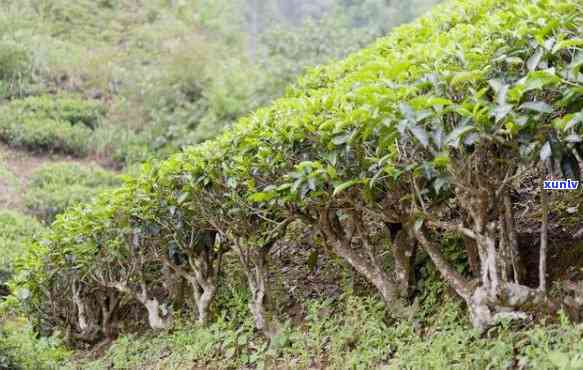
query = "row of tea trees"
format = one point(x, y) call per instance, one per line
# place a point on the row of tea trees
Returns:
point(425, 133)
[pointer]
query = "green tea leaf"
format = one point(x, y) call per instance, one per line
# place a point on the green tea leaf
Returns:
point(540, 107)
point(345, 185)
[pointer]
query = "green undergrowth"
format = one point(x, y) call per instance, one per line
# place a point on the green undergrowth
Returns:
point(56, 186)
point(14, 229)
point(8, 183)
point(15, 68)
point(7, 177)
point(569, 208)
point(350, 334)
point(21, 349)
point(19, 346)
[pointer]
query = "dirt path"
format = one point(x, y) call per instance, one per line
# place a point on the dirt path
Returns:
point(16, 168)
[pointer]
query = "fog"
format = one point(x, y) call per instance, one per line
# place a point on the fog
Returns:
point(372, 18)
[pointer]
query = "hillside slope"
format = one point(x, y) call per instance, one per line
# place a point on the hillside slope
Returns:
point(389, 212)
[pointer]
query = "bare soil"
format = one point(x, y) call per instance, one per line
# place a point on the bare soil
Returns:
point(16, 168)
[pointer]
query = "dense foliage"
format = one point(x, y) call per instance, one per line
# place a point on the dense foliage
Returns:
point(21, 349)
point(169, 73)
point(425, 143)
point(424, 133)
point(15, 230)
point(54, 187)
point(50, 124)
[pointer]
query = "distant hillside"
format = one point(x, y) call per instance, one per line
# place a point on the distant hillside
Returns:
point(171, 73)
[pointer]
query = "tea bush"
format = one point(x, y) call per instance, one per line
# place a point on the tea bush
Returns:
point(56, 186)
point(21, 349)
point(50, 124)
point(15, 69)
point(15, 230)
point(46, 136)
point(60, 108)
point(409, 146)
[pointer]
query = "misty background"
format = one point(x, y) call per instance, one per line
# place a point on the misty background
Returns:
point(280, 39)
point(172, 73)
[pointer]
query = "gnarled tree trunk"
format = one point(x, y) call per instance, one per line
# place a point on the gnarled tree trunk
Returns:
point(202, 275)
point(495, 294)
point(109, 302)
point(254, 261)
point(404, 249)
point(206, 267)
point(156, 312)
point(87, 316)
point(368, 263)
point(81, 309)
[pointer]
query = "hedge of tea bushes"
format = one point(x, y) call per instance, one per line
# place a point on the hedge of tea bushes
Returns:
point(48, 123)
point(425, 132)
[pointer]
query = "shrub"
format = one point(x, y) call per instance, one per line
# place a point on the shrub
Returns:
point(360, 147)
point(15, 68)
point(60, 108)
point(15, 229)
point(120, 145)
point(46, 136)
point(20, 348)
point(61, 124)
point(57, 186)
